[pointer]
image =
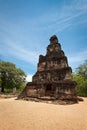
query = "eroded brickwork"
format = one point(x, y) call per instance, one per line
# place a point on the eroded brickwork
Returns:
point(53, 77)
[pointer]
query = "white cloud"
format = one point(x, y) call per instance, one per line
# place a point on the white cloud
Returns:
point(12, 48)
point(67, 16)
point(29, 78)
point(79, 57)
point(55, 21)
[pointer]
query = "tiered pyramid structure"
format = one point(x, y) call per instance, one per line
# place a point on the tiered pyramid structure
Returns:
point(53, 78)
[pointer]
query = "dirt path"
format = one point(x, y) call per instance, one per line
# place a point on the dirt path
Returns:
point(26, 115)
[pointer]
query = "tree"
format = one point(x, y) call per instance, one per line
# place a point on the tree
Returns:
point(82, 70)
point(81, 78)
point(81, 85)
point(10, 76)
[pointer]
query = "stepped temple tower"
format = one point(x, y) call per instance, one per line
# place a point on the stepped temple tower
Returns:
point(53, 78)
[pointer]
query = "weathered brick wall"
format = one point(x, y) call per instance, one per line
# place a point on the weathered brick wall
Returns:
point(53, 76)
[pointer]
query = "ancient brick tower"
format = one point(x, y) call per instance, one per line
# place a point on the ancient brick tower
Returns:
point(53, 77)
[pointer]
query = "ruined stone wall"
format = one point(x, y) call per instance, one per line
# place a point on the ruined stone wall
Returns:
point(54, 76)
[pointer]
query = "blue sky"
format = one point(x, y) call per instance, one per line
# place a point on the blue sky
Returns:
point(27, 25)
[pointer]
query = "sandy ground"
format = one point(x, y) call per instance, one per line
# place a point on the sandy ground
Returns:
point(26, 115)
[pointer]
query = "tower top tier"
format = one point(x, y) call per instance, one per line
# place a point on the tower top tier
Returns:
point(54, 39)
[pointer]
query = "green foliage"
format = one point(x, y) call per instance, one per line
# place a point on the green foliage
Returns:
point(10, 76)
point(81, 78)
point(81, 85)
point(82, 70)
point(21, 88)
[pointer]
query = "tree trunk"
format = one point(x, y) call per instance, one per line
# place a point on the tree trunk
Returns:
point(2, 89)
point(2, 82)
